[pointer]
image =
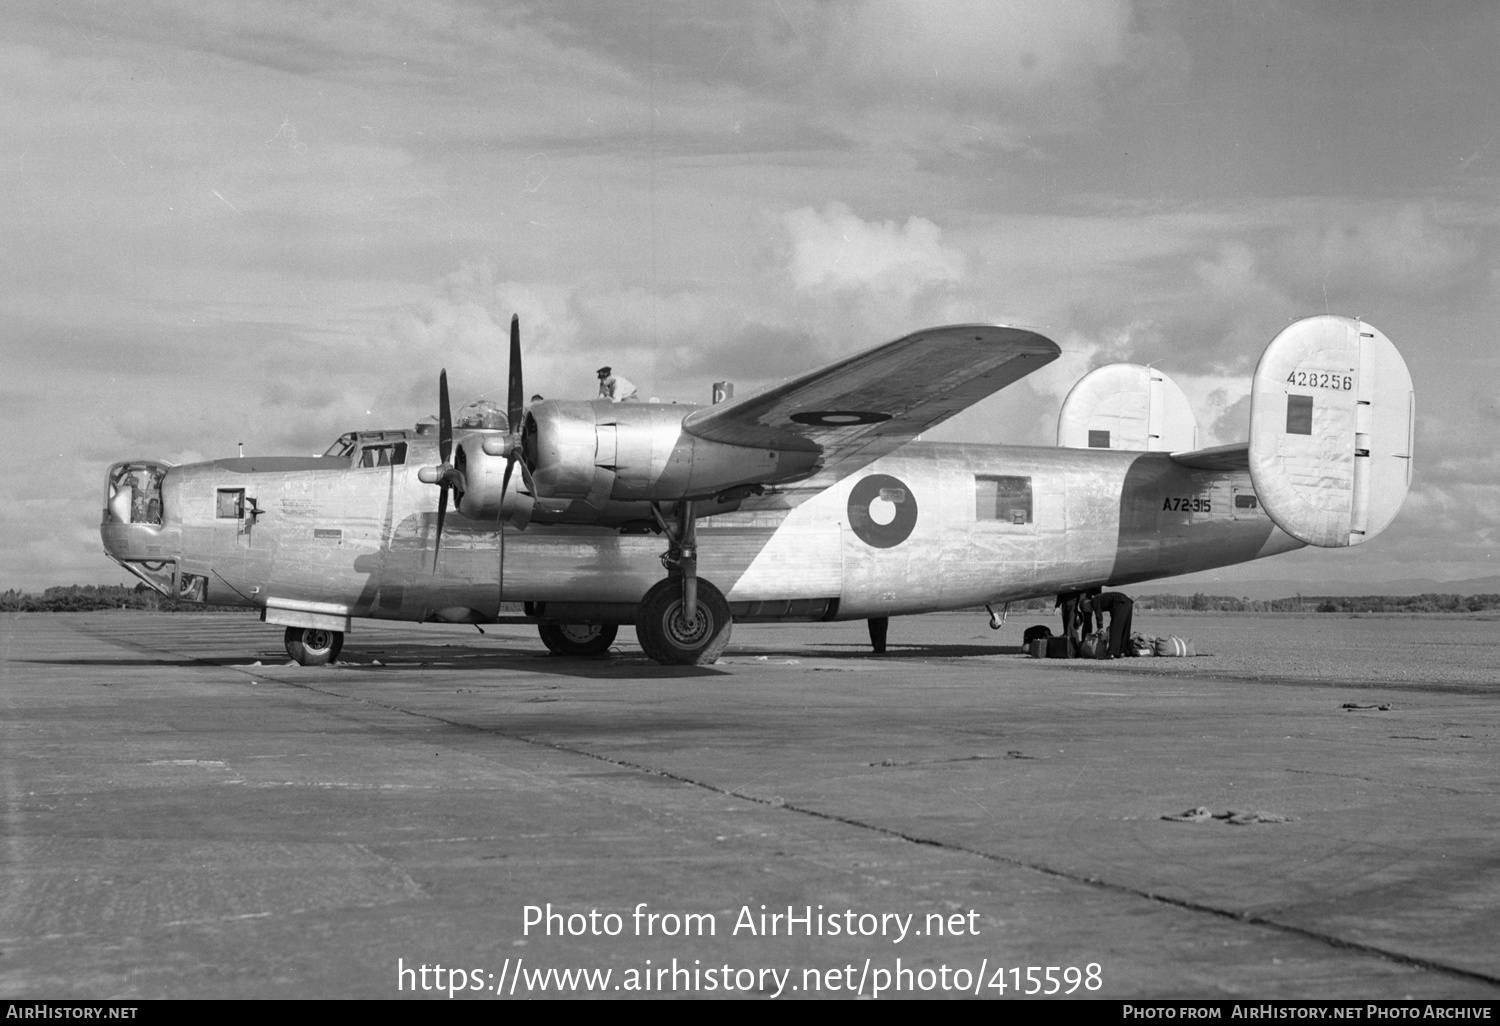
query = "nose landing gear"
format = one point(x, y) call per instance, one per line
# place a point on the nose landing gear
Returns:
point(577, 639)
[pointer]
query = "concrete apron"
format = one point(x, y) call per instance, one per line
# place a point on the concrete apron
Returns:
point(181, 823)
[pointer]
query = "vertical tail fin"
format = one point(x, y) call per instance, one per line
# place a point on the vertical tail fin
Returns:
point(1127, 406)
point(1332, 414)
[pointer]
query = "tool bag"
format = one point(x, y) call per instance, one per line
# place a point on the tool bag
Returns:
point(1173, 646)
point(1095, 646)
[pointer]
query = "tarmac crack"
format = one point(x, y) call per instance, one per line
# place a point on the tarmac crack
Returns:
point(1407, 783)
point(1199, 674)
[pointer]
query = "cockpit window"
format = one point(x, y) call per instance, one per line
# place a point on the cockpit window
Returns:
point(390, 454)
point(343, 447)
point(231, 504)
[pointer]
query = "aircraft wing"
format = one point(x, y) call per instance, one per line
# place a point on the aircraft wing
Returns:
point(1235, 456)
point(855, 411)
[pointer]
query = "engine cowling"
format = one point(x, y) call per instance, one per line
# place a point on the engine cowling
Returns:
point(630, 452)
point(484, 477)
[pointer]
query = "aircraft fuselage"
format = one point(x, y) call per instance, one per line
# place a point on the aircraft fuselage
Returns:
point(928, 527)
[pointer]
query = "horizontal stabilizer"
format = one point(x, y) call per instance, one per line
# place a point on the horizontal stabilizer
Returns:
point(1221, 458)
point(1331, 419)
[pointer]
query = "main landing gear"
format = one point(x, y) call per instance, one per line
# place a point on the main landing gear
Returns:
point(667, 633)
point(578, 639)
point(313, 646)
point(683, 620)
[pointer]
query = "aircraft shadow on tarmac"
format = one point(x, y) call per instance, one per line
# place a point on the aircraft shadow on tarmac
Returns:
point(466, 658)
point(425, 657)
point(122, 661)
point(854, 650)
point(428, 656)
point(635, 664)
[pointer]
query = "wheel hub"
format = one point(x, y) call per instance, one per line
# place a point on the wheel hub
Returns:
point(688, 635)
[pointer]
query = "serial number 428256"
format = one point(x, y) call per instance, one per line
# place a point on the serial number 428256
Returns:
point(1321, 379)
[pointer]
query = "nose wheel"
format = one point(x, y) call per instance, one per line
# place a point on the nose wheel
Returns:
point(577, 639)
point(313, 646)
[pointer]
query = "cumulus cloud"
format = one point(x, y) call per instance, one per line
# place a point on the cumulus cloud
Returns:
point(853, 283)
point(834, 249)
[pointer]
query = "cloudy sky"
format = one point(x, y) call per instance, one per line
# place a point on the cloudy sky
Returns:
point(271, 222)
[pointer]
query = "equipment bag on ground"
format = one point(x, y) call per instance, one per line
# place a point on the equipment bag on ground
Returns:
point(1095, 646)
point(1173, 646)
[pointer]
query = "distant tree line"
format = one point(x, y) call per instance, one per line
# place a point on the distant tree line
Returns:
point(1429, 603)
point(83, 598)
point(1199, 602)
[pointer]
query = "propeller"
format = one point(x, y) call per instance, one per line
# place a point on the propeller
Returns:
point(451, 474)
point(446, 476)
point(509, 446)
point(514, 412)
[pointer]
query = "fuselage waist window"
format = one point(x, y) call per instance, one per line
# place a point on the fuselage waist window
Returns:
point(1003, 499)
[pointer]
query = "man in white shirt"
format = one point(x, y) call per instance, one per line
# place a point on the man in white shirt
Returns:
point(613, 387)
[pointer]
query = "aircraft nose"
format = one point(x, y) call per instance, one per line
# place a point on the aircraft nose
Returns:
point(134, 526)
point(133, 492)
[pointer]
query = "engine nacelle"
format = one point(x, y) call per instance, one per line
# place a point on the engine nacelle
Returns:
point(484, 477)
point(600, 451)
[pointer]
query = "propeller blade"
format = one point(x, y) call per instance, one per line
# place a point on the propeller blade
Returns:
point(517, 395)
point(510, 464)
point(521, 502)
point(445, 419)
point(458, 477)
point(525, 499)
point(437, 542)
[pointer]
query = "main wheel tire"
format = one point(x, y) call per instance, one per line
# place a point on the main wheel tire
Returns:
point(313, 646)
point(577, 639)
point(669, 639)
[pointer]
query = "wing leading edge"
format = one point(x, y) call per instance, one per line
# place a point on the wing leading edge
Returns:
point(859, 409)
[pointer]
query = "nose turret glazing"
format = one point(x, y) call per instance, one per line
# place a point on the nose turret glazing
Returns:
point(135, 527)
